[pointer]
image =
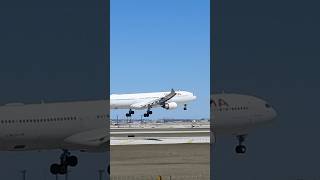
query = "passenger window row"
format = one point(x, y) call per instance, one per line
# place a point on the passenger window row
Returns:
point(53, 119)
point(241, 108)
point(101, 116)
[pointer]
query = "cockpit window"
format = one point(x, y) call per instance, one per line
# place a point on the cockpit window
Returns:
point(267, 105)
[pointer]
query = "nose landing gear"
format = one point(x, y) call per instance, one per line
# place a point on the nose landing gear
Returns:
point(185, 107)
point(240, 148)
point(65, 160)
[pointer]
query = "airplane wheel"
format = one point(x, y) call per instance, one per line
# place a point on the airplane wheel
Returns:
point(72, 161)
point(55, 168)
point(145, 115)
point(131, 112)
point(184, 108)
point(128, 115)
point(149, 112)
point(241, 149)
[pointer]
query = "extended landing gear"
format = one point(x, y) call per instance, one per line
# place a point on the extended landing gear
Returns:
point(241, 149)
point(65, 160)
point(129, 113)
point(185, 107)
point(147, 113)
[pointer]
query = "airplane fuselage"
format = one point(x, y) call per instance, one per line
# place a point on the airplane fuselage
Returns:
point(49, 125)
point(237, 114)
point(125, 101)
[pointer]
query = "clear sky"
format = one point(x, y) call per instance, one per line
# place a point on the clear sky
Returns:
point(159, 45)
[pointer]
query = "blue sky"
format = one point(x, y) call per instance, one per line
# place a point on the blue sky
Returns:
point(159, 45)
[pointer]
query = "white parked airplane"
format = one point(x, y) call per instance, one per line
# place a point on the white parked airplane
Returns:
point(68, 126)
point(237, 114)
point(138, 101)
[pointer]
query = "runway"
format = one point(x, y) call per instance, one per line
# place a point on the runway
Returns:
point(189, 160)
point(166, 151)
point(136, 136)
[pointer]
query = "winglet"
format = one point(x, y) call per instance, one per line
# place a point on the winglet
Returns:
point(172, 91)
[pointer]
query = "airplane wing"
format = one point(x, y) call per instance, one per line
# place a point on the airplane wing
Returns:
point(154, 102)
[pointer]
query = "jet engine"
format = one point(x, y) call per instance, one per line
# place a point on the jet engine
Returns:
point(170, 105)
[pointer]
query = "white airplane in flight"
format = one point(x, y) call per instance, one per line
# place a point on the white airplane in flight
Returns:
point(139, 101)
point(237, 114)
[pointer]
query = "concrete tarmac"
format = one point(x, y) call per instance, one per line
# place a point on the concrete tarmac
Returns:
point(164, 160)
point(160, 132)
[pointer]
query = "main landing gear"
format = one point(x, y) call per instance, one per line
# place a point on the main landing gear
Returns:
point(65, 160)
point(241, 149)
point(147, 113)
point(129, 113)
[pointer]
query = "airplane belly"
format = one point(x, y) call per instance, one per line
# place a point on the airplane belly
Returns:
point(121, 104)
point(231, 123)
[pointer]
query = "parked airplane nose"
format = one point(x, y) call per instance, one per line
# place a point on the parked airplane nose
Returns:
point(271, 112)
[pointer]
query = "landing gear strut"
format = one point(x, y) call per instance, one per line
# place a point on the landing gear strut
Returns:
point(65, 160)
point(129, 113)
point(241, 149)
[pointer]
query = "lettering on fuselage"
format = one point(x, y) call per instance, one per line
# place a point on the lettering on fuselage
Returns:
point(219, 103)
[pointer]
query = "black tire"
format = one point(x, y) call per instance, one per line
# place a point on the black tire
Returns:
point(131, 112)
point(185, 109)
point(241, 149)
point(128, 115)
point(149, 112)
point(72, 161)
point(145, 115)
point(55, 169)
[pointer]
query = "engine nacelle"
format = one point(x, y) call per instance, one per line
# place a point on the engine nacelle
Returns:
point(170, 105)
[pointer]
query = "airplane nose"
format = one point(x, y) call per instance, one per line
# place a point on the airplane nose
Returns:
point(273, 114)
point(194, 97)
